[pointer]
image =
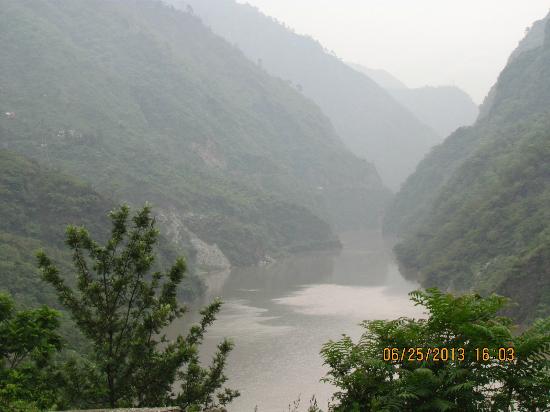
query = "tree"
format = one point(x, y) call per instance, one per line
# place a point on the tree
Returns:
point(28, 341)
point(470, 372)
point(123, 308)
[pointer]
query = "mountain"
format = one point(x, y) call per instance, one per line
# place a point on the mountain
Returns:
point(413, 203)
point(36, 204)
point(534, 38)
point(145, 103)
point(383, 78)
point(476, 213)
point(443, 108)
point(369, 121)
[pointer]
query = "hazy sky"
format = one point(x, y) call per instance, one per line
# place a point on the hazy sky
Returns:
point(435, 42)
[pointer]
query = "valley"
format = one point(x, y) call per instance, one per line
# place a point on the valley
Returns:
point(204, 208)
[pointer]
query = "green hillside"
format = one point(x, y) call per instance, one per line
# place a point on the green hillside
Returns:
point(513, 98)
point(36, 205)
point(412, 204)
point(485, 223)
point(146, 104)
point(370, 122)
point(534, 38)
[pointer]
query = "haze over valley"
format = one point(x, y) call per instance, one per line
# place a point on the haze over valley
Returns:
point(206, 209)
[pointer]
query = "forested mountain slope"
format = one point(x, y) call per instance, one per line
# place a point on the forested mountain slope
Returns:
point(36, 205)
point(512, 98)
point(443, 108)
point(147, 104)
point(534, 38)
point(486, 222)
point(366, 117)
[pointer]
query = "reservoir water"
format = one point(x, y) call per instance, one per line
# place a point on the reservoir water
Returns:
point(280, 315)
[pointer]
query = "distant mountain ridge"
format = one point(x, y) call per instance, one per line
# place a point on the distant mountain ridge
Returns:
point(369, 121)
point(382, 77)
point(443, 108)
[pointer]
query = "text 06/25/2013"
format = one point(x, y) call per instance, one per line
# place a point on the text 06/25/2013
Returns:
point(444, 354)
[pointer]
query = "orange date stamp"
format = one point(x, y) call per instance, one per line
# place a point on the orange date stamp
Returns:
point(504, 354)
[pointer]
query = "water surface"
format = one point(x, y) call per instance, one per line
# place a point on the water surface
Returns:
point(280, 315)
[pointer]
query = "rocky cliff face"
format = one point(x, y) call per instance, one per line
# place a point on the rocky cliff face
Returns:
point(206, 257)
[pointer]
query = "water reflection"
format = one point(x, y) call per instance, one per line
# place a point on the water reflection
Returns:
point(281, 314)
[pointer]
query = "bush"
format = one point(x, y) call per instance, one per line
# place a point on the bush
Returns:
point(473, 378)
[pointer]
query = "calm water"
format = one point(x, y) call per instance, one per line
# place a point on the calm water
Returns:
point(280, 315)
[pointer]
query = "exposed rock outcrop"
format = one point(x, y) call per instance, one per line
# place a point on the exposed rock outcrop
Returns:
point(208, 257)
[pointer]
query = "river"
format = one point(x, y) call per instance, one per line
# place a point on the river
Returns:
point(280, 315)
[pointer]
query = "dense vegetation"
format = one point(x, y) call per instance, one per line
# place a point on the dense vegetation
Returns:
point(471, 367)
point(367, 118)
point(36, 205)
point(490, 228)
point(144, 102)
point(122, 306)
point(476, 214)
point(30, 339)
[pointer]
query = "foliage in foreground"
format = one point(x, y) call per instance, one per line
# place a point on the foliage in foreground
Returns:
point(470, 322)
point(28, 341)
point(123, 308)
